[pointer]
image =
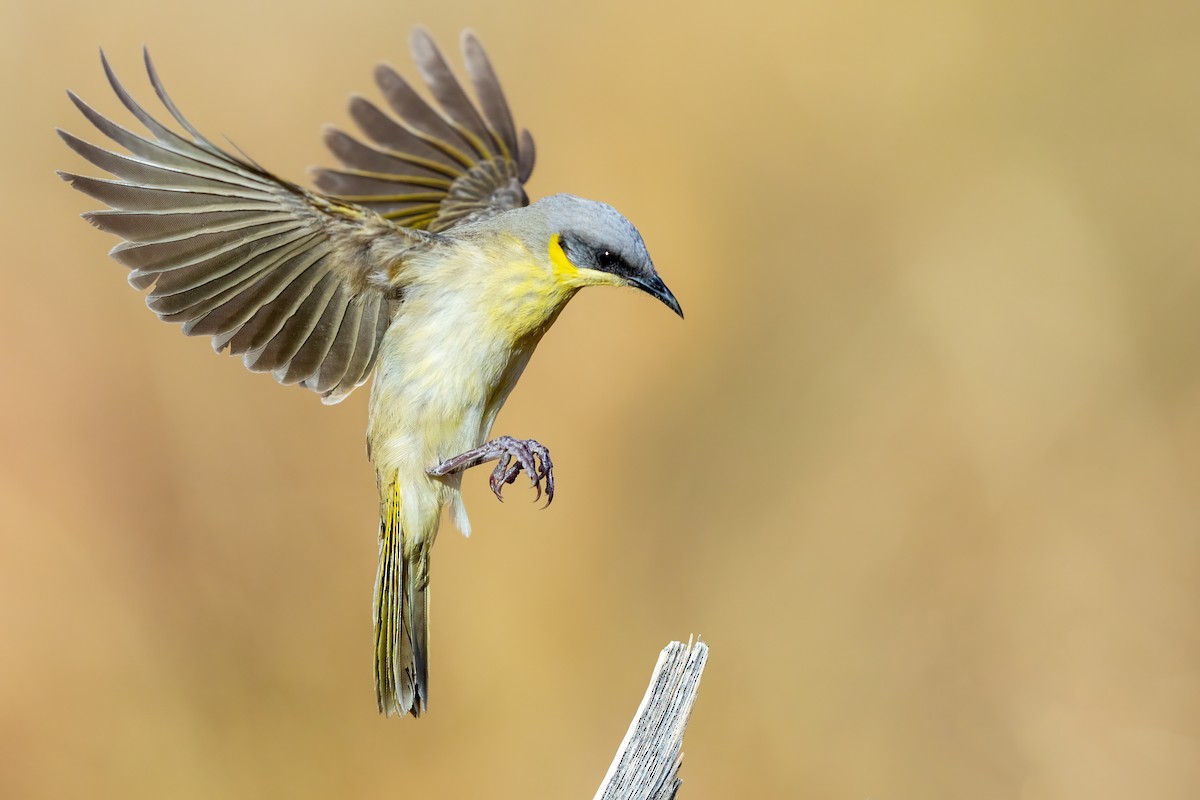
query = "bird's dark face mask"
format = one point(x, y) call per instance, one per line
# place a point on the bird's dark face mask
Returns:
point(628, 262)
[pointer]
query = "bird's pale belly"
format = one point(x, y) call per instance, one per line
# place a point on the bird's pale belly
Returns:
point(439, 384)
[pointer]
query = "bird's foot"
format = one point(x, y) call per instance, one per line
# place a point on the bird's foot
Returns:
point(512, 456)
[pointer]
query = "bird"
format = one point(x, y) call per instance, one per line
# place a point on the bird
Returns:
point(419, 259)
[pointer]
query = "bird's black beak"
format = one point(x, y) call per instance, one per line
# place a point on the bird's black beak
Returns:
point(654, 287)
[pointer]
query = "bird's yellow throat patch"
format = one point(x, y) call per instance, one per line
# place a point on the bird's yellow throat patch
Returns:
point(564, 270)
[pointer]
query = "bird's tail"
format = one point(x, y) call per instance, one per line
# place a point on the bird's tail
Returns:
point(401, 615)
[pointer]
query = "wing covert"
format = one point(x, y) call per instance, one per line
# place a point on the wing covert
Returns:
point(278, 275)
point(429, 168)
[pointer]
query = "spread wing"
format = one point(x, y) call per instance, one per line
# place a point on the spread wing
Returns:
point(278, 275)
point(433, 169)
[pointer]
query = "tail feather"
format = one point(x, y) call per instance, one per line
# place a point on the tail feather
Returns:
point(417, 621)
point(401, 617)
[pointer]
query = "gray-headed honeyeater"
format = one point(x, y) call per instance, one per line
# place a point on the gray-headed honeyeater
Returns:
point(422, 259)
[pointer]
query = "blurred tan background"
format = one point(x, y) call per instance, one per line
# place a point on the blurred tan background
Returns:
point(921, 464)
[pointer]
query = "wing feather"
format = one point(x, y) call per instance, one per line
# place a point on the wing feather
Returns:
point(183, 289)
point(274, 273)
point(337, 361)
point(295, 332)
point(306, 363)
point(269, 319)
point(370, 334)
point(156, 153)
point(154, 226)
point(437, 156)
point(141, 171)
point(430, 126)
point(449, 93)
point(227, 318)
point(491, 97)
point(439, 164)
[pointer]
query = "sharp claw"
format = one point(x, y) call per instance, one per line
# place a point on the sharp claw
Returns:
point(535, 480)
point(512, 456)
point(498, 477)
point(545, 470)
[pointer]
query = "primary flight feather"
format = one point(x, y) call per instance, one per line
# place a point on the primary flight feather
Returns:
point(422, 260)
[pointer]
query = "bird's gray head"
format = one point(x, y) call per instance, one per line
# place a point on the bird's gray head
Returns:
point(595, 237)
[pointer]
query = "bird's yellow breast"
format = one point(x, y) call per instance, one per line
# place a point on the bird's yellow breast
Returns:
point(523, 293)
point(469, 322)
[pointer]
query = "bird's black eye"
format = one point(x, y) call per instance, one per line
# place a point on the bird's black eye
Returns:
point(608, 261)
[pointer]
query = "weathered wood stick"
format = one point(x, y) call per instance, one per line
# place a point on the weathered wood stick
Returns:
point(646, 766)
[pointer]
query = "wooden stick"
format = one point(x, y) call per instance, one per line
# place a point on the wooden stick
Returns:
point(646, 766)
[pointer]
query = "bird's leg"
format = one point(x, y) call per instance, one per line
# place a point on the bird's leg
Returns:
point(512, 456)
